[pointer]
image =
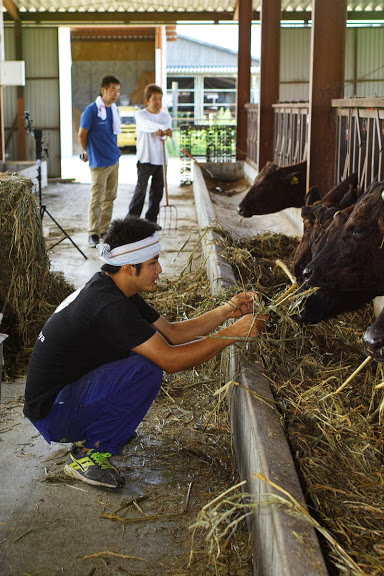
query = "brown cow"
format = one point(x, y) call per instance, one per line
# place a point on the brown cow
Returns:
point(317, 216)
point(274, 189)
point(322, 221)
point(352, 259)
point(373, 339)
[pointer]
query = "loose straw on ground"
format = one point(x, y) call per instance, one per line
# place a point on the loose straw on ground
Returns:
point(349, 379)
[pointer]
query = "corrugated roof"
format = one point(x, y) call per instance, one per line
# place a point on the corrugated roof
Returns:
point(129, 10)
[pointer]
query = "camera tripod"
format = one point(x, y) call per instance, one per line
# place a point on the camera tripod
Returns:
point(38, 135)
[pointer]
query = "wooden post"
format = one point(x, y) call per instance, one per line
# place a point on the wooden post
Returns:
point(20, 97)
point(327, 82)
point(243, 75)
point(269, 76)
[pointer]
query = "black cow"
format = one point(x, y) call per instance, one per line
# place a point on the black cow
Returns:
point(275, 188)
point(318, 215)
point(352, 258)
point(321, 219)
point(350, 262)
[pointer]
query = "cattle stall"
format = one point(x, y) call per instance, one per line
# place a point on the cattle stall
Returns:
point(254, 425)
point(359, 136)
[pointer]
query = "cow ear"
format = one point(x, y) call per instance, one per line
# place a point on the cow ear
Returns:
point(270, 168)
point(312, 196)
point(349, 198)
point(308, 215)
point(325, 214)
point(380, 223)
point(291, 178)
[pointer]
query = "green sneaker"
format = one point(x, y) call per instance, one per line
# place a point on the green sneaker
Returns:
point(94, 468)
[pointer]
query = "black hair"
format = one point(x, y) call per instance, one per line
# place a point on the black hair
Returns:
point(109, 79)
point(126, 231)
point(152, 89)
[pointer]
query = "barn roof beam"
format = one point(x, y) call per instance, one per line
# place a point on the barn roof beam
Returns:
point(170, 17)
point(12, 9)
point(92, 18)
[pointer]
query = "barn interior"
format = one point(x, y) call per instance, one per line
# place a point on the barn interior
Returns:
point(319, 89)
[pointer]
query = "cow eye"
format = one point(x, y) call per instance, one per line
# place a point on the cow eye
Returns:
point(358, 232)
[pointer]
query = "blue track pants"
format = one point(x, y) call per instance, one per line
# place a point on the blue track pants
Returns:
point(105, 406)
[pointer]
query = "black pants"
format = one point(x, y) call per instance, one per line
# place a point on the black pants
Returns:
point(146, 170)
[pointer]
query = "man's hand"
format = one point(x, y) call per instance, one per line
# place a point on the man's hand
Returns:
point(164, 133)
point(243, 303)
point(250, 325)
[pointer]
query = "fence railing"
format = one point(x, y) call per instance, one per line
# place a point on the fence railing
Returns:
point(360, 138)
point(359, 145)
point(290, 132)
point(253, 132)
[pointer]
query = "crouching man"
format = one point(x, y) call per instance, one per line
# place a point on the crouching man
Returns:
point(98, 363)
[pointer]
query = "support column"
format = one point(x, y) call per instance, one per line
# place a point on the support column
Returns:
point(160, 52)
point(327, 82)
point(270, 17)
point(2, 58)
point(20, 97)
point(243, 75)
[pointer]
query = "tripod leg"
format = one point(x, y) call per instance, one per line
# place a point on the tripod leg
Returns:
point(43, 210)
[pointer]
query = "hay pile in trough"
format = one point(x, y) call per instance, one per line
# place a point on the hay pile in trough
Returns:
point(336, 436)
point(29, 291)
point(197, 392)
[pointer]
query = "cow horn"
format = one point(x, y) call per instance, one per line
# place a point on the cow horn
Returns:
point(382, 194)
point(336, 213)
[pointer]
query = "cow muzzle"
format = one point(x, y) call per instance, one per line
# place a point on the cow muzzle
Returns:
point(373, 342)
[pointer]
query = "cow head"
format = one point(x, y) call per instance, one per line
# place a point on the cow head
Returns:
point(352, 256)
point(317, 215)
point(325, 304)
point(274, 189)
point(373, 339)
point(303, 253)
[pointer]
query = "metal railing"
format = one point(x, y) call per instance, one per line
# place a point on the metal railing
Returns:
point(252, 132)
point(290, 132)
point(360, 138)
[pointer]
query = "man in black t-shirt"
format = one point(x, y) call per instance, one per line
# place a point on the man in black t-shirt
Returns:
point(98, 362)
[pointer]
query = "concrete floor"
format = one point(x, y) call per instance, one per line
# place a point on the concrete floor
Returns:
point(68, 205)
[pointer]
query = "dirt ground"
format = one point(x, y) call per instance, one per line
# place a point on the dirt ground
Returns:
point(181, 459)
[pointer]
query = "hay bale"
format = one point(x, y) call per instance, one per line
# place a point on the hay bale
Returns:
point(29, 291)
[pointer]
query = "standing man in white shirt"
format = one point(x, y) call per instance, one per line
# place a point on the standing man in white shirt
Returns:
point(153, 125)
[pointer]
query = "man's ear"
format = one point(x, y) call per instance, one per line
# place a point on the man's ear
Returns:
point(129, 269)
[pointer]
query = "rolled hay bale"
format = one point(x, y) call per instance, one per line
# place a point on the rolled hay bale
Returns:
point(29, 290)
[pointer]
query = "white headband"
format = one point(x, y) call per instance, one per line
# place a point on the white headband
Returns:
point(134, 253)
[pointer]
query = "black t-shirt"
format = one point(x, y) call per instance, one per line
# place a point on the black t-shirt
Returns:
point(93, 326)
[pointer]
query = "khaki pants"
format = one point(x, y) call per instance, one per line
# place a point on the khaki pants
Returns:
point(103, 193)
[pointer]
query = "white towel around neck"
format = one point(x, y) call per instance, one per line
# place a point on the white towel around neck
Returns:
point(102, 113)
